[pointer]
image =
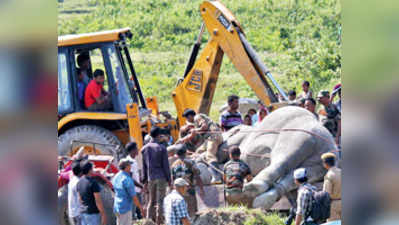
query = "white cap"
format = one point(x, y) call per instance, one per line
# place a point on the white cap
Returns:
point(300, 173)
point(180, 182)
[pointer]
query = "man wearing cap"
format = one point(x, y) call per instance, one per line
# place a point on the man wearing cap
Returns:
point(189, 115)
point(185, 130)
point(304, 199)
point(332, 185)
point(125, 194)
point(331, 117)
point(337, 89)
point(186, 169)
point(176, 212)
point(235, 171)
point(207, 131)
point(156, 173)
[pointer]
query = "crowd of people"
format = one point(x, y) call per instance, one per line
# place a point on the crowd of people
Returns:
point(158, 177)
point(329, 113)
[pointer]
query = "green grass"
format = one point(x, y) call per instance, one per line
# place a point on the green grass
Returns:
point(256, 216)
point(297, 40)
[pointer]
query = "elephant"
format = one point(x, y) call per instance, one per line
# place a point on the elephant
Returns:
point(288, 138)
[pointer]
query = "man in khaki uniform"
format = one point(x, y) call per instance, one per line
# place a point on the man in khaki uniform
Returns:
point(185, 168)
point(185, 130)
point(209, 132)
point(332, 185)
point(330, 116)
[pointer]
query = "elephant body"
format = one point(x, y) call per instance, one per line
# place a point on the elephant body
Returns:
point(288, 138)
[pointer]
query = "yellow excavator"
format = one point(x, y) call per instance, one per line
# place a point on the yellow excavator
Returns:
point(132, 116)
point(197, 88)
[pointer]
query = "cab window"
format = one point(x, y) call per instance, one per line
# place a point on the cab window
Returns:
point(64, 97)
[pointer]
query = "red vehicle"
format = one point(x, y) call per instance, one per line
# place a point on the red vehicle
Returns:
point(104, 170)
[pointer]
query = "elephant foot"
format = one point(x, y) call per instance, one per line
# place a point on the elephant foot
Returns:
point(254, 188)
point(266, 200)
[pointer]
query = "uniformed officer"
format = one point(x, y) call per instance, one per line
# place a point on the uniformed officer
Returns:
point(186, 169)
point(332, 184)
point(235, 171)
point(189, 115)
point(331, 117)
point(185, 130)
point(208, 134)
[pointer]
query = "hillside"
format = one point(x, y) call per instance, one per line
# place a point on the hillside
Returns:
point(296, 39)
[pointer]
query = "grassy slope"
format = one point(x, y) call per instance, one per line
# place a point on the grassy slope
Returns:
point(296, 39)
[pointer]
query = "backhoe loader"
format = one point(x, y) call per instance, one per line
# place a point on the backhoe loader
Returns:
point(132, 116)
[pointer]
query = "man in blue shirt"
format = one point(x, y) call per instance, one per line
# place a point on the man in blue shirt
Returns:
point(81, 88)
point(125, 194)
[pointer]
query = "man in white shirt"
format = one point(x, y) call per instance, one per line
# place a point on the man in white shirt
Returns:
point(73, 196)
point(132, 151)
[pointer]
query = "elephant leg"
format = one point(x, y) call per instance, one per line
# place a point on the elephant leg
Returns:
point(284, 186)
point(268, 198)
point(285, 156)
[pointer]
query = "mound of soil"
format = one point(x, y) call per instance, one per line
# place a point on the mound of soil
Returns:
point(226, 217)
point(144, 222)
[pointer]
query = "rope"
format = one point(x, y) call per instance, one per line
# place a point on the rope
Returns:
point(263, 131)
point(276, 131)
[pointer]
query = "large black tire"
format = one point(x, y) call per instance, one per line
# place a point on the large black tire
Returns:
point(89, 133)
point(106, 197)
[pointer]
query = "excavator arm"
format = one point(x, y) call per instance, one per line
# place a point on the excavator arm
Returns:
point(197, 88)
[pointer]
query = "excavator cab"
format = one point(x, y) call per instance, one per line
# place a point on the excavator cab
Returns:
point(128, 116)
point(109, 57)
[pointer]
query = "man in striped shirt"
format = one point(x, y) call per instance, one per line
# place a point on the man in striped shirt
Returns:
point(231, 117)
point(304, 199)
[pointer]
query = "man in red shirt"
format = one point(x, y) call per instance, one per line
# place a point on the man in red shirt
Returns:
point(96, 98)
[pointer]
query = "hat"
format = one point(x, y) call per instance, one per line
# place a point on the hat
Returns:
point(300, 173)
point(328, 155)
point(188, 112)
point(323, 93)
point(180, 182)
point(336, 88)
point(123, 163)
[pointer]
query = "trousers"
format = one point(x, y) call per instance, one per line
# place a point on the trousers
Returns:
point(157, 192)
